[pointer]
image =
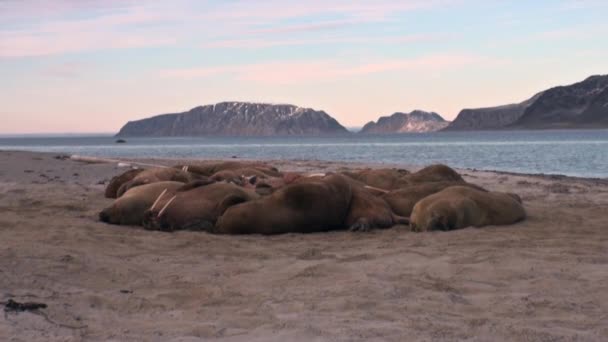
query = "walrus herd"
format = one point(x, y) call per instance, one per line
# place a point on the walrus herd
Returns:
point(255, 198)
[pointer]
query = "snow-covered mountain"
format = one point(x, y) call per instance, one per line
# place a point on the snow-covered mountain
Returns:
point(237, 119)
point(415, 122)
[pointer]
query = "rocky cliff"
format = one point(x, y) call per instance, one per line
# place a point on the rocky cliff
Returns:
point(583, 104)
point(415, 122)
point(580, 105)
point(489, 118)
point(237, 119)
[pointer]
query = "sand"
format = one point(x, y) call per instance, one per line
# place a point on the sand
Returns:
point(545, 279)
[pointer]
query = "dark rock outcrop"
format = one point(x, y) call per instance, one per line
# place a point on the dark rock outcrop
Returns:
point(237, 119)
point(414, 122)
point(580, 105)
point(489, 118)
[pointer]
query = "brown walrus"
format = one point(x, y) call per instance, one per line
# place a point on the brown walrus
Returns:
point(433, 173)
point(393, 179)
point(402, 200)
point(158, 174)
point(117, 181)
point(208, 169)
point(130, 207)
point(369, 211)
point(387, 179)
point(308, 206)
point(196, 206)
point(460, 206)
point(240, 176)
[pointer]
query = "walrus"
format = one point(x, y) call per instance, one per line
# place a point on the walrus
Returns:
point(117, 181)
point(461, 206)
point(240, 176)
point(433, 173)
point(402, 201)
point(195, 206)
point(267, 186)
point(158, 174)
point(310, 206)
point(387, 179)
point(393, 179)
point(208, 169)
point(368, 211)
point(130, 207)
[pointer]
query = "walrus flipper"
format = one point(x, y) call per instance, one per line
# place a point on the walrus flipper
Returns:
point(230, 201)
point(196, 184)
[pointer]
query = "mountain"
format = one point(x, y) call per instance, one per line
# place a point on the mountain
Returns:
point(583, 104)
point(414, 122)
point(491, 117)
point(237, 119)
point(580, 105)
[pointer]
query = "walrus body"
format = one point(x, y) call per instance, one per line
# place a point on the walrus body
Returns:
point(368, 211)
point(160, 174)
point(402, 200)
point(387, 179)
point(130, 207)
point(433, 173)
point(117, 181)
point(393, 179)
point(460, 206)
point(241, 176)
point(310, 206)
point(196, 208)
point(209, 169)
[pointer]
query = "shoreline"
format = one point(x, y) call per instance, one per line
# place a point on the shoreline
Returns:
point(540, 279)
point(167, 161)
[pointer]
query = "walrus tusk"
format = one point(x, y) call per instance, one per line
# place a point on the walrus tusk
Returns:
point(377, 189)
point(162, 211)
point(158, 200)
point(315, 175)
point(185, 168)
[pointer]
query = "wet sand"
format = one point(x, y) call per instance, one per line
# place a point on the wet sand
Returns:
point(544, 279)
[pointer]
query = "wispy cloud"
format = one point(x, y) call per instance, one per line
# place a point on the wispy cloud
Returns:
point(569, 5)
point(261, 42)
point(327, 70)
point(32, 28)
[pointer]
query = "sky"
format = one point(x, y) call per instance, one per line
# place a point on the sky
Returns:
point(90, 66)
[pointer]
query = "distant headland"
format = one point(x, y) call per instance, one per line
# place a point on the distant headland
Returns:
point(580, 105)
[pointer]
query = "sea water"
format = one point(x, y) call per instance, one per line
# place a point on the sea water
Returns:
point(581, 153)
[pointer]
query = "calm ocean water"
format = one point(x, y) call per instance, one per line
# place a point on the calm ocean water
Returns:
point(573, 152)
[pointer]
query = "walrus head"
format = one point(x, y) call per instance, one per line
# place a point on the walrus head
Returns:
point(154, 220)
point(104, 216)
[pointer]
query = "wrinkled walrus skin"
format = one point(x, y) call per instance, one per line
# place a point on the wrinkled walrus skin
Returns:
point(459, 207)
point(196, 208)
point(158, 174)
point(402, 200)
point(304, 207)
point(117, 181)
point(129, 208)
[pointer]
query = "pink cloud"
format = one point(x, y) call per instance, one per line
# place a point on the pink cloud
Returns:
point(328, 70)
point(40, 45)
point(255, 43)
point(41, 28)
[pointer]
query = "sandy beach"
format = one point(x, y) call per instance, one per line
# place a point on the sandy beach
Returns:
point(544, 279)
